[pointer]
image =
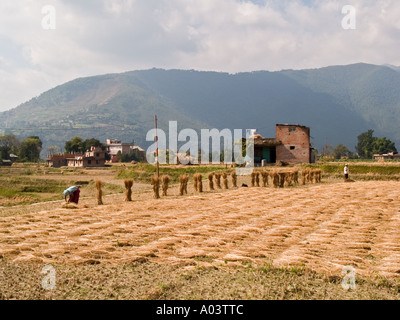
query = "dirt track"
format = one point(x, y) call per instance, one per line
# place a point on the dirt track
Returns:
point(323, 226)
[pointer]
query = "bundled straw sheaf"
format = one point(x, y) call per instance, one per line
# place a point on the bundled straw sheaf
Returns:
point(275, 179)
point(218, 179)
point(155, 182)
point(99, 192)
point(234, 179)
point(257, 179)
point(282, 179)
point(309, 175)
point(305, 175)
point(183, 180)
point(198, 182)
point(165, 179)
point(225, 180)
point(318, 175)
point(128, 189)
point(211, 181)
point(265, 175)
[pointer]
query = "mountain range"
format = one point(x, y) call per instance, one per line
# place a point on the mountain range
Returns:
point(337, 103)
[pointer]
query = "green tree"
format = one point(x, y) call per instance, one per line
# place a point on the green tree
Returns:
point(368, 145)
point(364, 145)
point(53, 149)
point(341, 151)
point(92, 142)
point(8, 144)
point(30, 149)
point(75, 145)
point(383, 145)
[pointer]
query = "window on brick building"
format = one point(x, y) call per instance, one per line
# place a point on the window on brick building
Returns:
point(292, 147)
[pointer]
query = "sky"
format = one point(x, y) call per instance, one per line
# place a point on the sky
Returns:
point(45, 43)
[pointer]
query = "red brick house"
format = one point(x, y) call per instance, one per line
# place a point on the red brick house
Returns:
point(96, 157)
point(291, 145)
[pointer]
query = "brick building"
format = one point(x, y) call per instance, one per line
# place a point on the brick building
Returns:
point(96, 157)
point(114, 146)
point(291, 145)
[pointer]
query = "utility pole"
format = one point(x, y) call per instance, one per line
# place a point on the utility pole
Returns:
point(157, 164)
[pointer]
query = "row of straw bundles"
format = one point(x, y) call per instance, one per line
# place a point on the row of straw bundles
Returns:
point(155, 182)
point(309, 175)
point(279, 178)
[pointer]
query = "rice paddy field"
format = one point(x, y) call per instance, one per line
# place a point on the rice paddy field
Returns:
point(254, 242)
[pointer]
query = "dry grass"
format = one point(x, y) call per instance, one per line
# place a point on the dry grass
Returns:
point(143, 280)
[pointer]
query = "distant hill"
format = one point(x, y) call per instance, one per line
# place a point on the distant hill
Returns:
point(337, 103)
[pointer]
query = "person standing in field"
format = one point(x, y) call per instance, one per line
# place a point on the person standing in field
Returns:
point(73, 193)
point(346, 172)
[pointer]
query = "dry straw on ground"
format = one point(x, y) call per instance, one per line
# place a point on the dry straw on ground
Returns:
point(323, 226)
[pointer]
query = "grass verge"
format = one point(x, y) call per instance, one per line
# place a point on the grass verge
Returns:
point(143, 280)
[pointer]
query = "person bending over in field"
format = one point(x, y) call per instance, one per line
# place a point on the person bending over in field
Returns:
point(72, 193)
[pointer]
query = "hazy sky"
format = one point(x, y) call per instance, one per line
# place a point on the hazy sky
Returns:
point(105, 36)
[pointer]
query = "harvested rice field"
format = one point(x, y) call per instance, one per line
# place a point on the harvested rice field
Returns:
point(317, 227)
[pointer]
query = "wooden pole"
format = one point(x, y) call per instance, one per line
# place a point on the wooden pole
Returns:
point(157, 164)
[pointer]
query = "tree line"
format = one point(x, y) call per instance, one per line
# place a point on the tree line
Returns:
point(27, 150)
point(367, 146)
